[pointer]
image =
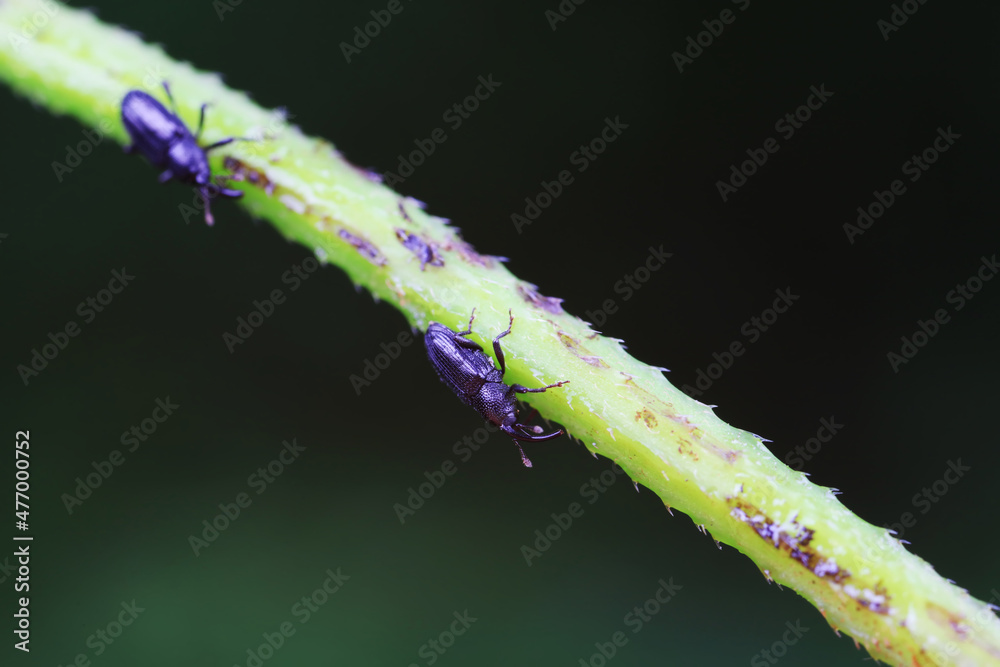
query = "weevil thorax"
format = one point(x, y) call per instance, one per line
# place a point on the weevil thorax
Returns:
point(189, 162)
point(495, 402)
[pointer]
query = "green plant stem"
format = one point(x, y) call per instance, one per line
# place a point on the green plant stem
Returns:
point(860, 577)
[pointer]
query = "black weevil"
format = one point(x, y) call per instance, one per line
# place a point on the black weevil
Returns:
point(164, 140)
point(462, 365)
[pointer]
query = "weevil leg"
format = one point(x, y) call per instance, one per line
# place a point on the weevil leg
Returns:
point(524, 459)
point(170, 96)
point(226, 141)
point(468, 344)
point(465, 342)
point(521, 389)
point(206, 196)
point(201, 122)
point(222, 179)
point(469, 330)
point(519, 432)
point(223, 143)
point(496, 344)
point(530, 431)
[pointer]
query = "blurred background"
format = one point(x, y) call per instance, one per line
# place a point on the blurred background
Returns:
point(406, 591)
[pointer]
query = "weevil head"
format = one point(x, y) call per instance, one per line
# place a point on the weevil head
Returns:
point(523, 433)
point(526, 433)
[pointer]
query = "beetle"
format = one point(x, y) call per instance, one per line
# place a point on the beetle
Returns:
point(464, 367)
point(163, 139)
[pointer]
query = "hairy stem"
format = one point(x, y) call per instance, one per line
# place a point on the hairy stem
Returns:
point(860, 577)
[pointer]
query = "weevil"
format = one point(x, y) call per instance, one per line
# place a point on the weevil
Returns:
point(464, 367)
point(163, 139)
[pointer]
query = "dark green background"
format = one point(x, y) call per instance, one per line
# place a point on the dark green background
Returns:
point(333, 507)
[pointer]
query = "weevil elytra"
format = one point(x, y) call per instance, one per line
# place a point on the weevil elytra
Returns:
point(163, 139)
point(464, 367)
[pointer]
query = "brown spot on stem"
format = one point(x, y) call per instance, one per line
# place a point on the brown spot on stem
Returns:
point(794, 539)
point(240, 171)
point(424, 250)
point(368, 250)
point(469, 254)
point(684, 447)
point(667, 410)
point(574, 346)
point(402, 211)
point(958, 624)
point(647, 417)
point(530, 294)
